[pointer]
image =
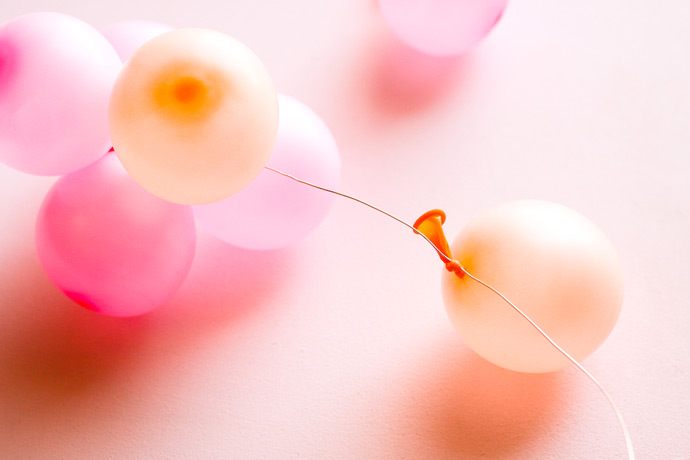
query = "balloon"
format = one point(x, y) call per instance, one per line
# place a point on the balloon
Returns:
point(274, 211)
point(552, 263)
point(56, 74)
point(442, 27)
point(127, 36)
point(193, 116)
point(111, 246)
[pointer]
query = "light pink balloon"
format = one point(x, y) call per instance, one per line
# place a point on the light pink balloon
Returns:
point(554, 264)
point(56, 75)
point(111, 246)
point(127, 36)
point(274, 211)
point(442, 27)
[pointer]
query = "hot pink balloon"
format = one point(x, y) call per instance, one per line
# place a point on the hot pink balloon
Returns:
point(442, 27)
point(56, 75)
point(127, 36)
point(274, 211)
point(111, 246)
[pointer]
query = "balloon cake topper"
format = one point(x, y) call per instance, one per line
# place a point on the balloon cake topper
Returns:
point(200, 134)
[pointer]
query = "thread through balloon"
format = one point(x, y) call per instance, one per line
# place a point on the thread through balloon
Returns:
point(455, 263)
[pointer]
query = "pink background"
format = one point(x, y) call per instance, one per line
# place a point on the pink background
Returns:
point(339, 347)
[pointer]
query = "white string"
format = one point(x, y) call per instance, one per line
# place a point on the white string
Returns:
point(619, 415)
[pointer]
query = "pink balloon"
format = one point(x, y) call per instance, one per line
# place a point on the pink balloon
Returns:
point(274, 211)
point(127, 36)
point(442, 27)
point(111, 246)
point(56, 75)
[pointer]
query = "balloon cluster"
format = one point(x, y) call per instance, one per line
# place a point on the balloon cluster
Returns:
point(192, 116)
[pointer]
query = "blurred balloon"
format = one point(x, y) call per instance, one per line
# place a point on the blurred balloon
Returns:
point(110, 245)
point(193, 116)
point(56, 75)
point(442, 27)
point(274, 211)
point(554, 264)
point(127, 36)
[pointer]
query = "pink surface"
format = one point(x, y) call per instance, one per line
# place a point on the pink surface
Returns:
point(339, 347)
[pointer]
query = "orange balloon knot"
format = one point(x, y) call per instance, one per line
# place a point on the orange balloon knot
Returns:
point(454, 267)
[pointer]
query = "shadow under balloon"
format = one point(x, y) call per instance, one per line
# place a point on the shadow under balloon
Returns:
point(469, 408)
point(225, 285)
point(53, 352)
point(50, 349)
point(405, 80)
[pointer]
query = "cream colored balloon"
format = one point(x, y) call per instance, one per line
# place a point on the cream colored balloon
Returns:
point(193, 116)
point(554, 264)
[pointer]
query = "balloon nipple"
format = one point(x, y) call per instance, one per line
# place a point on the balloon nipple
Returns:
point(454, 267)
point(183, 95)
point(430, 224)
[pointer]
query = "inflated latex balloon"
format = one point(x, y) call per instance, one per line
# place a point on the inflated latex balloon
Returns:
point(193, 116)
point(553, 264)
point(442, 27)
point(127, 36)
point(274, 211)
point(110, 245)
point(56, 75)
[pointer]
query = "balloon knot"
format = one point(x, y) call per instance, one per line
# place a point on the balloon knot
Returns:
point(454, 267)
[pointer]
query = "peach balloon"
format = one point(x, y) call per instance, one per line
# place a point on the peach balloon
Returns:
point(554, 264)
point(193, 116)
